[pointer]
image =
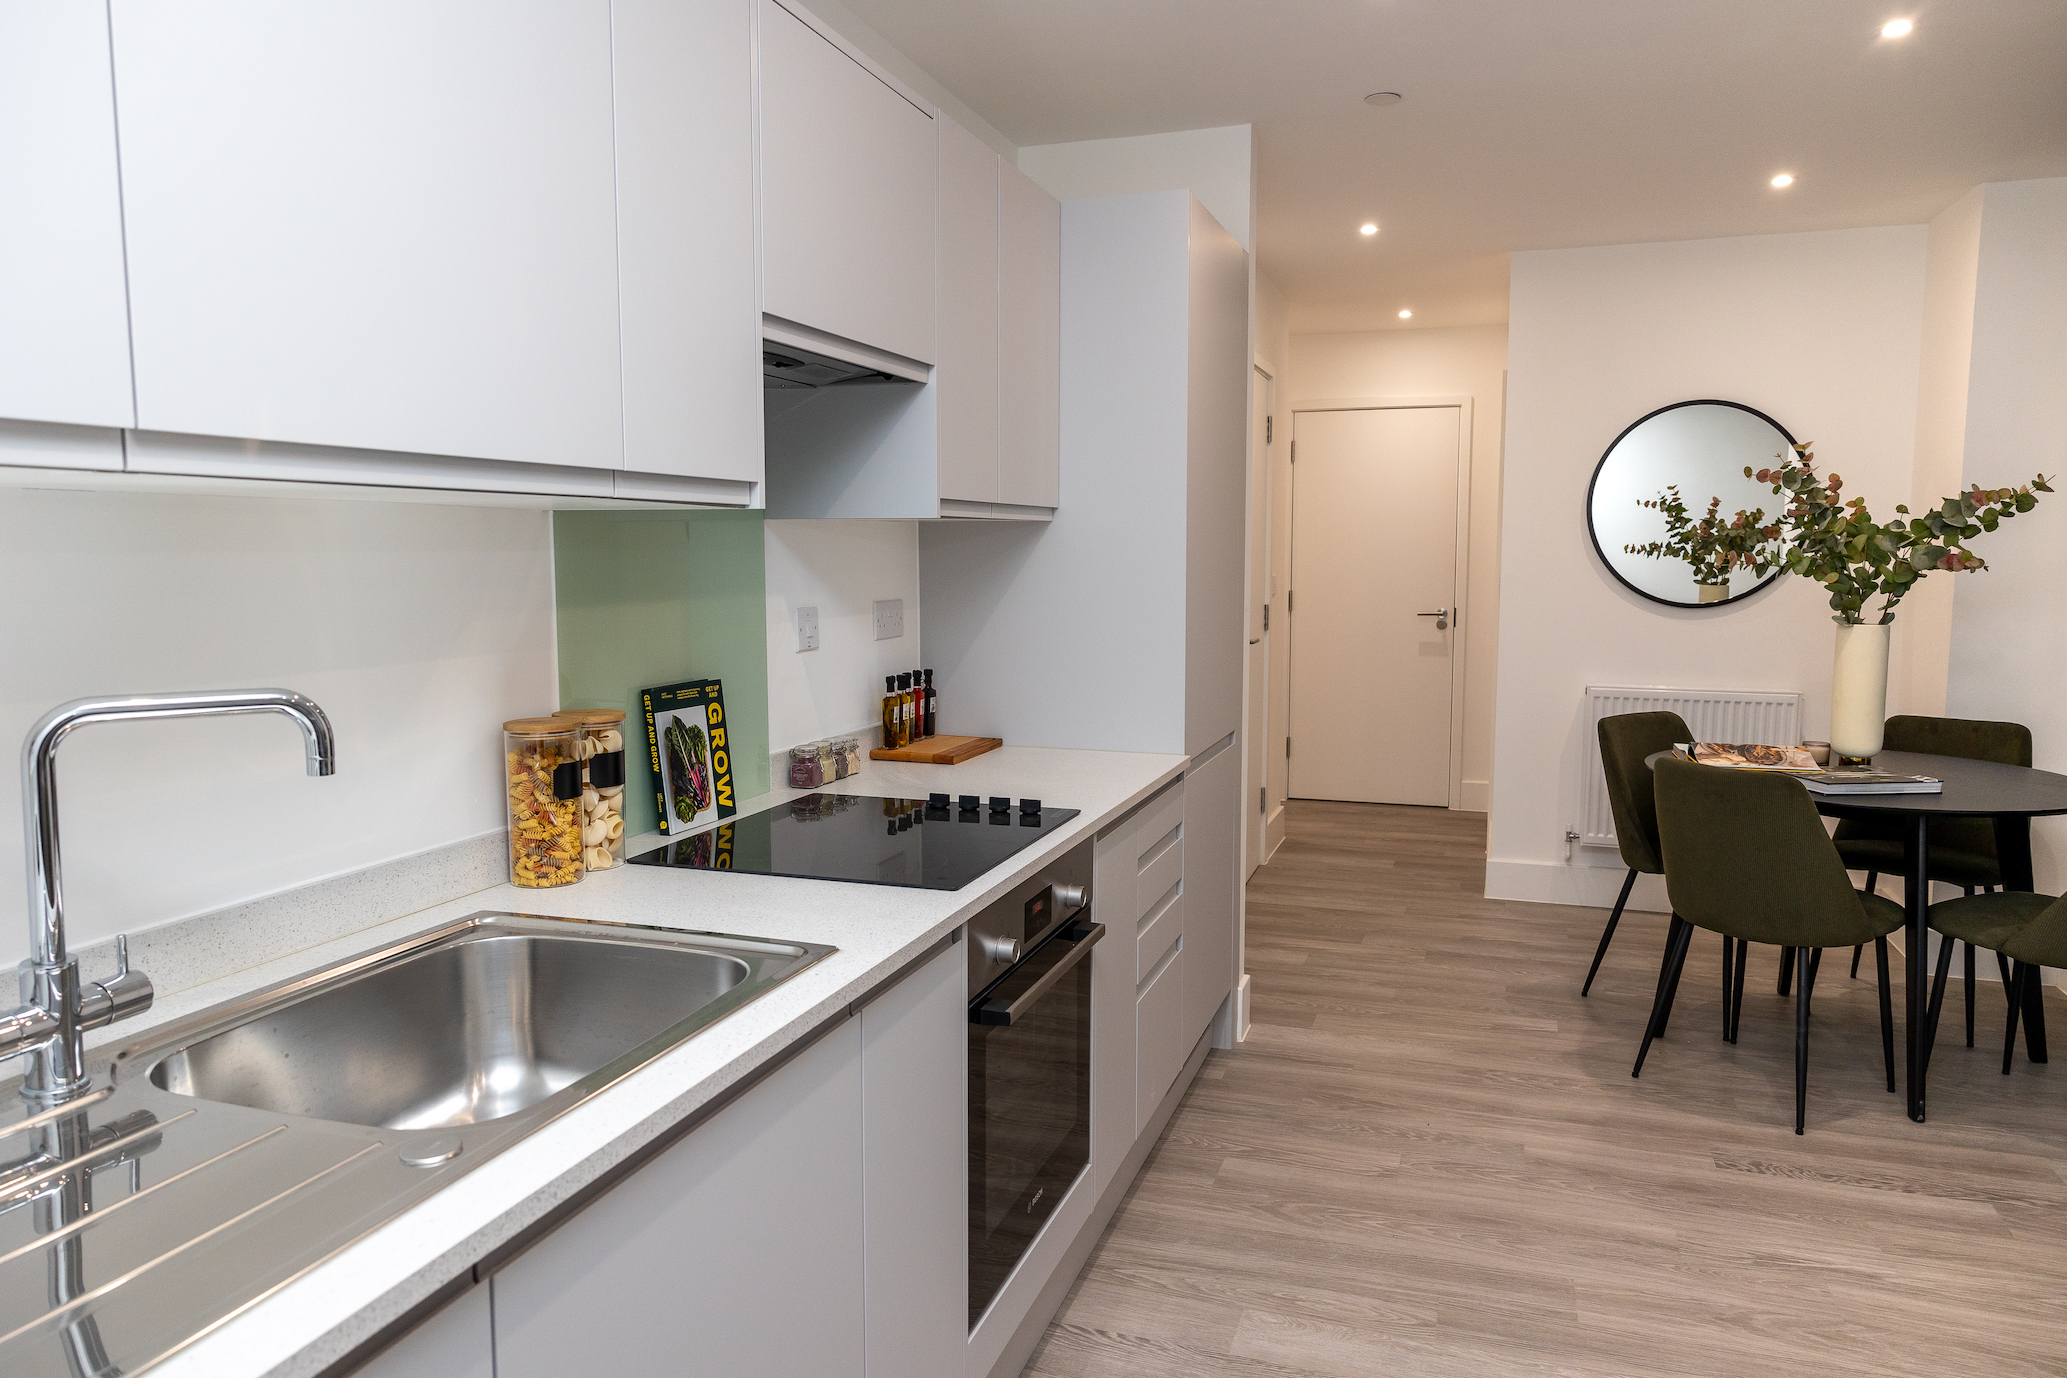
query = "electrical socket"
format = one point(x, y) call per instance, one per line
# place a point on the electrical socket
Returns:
point(889, 618)
point(807, 629)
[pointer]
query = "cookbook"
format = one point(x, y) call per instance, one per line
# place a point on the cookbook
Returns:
point(686, 747)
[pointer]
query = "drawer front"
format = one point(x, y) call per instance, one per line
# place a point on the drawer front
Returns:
point(1159, 1035)
point(1160, 866)
point(1154, 823)
point(1161, 926)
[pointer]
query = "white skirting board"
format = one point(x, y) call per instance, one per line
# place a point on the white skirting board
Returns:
point(1551, 882)
point(1241, 1010)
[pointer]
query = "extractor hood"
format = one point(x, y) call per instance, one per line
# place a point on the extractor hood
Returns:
point(785, 366)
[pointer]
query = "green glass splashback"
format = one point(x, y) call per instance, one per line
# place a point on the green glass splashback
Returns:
point(647, 598)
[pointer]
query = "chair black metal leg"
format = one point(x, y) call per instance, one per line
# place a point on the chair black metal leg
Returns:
point(1786, 970)
point(1857, 948)
point(1729, 979)
point(2009, 1040)
point(2002, 964)
point(1887, 1009)
point(1815, 962)
point(1737, 993)
point(1678, 938)
point(1930, 1023)
point(1970, 993)
point(1801, 1040)
point(1672, 991)
point(1607, 934)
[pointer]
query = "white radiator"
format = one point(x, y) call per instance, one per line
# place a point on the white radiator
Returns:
point(1713, 715)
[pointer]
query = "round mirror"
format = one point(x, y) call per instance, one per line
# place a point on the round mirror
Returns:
point(1664, 499)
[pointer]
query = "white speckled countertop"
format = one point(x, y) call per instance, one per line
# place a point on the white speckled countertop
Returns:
point(313, 1321)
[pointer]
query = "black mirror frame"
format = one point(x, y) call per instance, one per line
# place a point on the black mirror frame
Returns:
point(1594, 482)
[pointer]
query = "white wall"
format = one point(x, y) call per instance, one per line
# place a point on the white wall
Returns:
point(419, 629)
point(841, 568)
point(2009, 639)
point(1469, 361)
point(1823, 332)
point(1216, 165)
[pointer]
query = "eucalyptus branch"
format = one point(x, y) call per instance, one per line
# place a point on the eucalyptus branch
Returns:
point(1713, 545)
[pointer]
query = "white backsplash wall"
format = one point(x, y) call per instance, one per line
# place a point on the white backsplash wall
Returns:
point(841, 568)
point(417, 628)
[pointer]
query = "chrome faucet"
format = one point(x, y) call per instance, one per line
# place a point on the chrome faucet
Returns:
point(57, 1009)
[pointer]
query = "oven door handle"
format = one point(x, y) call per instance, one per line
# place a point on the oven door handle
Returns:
point(999, 1012)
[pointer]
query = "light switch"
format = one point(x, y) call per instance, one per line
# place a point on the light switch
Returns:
point(807, 629)
point(889, 618)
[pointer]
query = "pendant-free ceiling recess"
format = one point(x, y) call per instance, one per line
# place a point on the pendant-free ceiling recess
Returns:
point(1382, 98)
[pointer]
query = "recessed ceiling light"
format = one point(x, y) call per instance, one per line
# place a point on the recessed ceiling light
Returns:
point(1368, 229)
point(1785, 179)
point(1896, 28)
point(1405, 314)
point(1383, 98)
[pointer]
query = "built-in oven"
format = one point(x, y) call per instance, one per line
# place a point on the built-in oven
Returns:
point(1029, 1064)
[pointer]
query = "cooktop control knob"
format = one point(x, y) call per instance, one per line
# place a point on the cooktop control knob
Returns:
point(937, 801)
point(968, 801)
point(1029, 806)
point(1000, 804)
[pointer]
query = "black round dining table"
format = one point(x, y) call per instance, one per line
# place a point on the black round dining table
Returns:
point(2010, 795)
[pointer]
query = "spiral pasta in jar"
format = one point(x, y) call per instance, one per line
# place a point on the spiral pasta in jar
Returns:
point(542, 761)
point(602, 785)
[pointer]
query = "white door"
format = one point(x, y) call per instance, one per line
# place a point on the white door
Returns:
point(1373, 604)
point(1277, 710)
point(1255, 741)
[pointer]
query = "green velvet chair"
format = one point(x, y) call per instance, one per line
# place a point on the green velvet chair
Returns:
point(1962, 849)
point(1746, 856)
point(1625, 740)
point(2036, 945)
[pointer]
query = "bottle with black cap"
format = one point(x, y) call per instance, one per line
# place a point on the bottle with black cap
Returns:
point(932, 705)
point(907, 719)
point(892, 715)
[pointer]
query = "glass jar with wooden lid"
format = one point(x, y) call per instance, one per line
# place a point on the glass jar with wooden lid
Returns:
point(602, 785)
point(542, 764)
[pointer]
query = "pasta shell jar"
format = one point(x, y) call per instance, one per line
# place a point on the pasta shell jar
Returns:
point(543, 759)
point(602, 785)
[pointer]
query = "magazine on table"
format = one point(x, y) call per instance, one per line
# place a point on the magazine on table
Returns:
point(1871, 782)
point(1751, 756)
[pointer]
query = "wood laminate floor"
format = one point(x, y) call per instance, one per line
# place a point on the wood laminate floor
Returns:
point(1429, 1158)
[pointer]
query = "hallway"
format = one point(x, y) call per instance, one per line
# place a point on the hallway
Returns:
point(1430, 1158)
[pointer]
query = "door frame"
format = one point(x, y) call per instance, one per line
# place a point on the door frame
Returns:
point(1460, 578)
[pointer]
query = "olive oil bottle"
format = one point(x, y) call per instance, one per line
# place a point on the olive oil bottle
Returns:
point(893, 714)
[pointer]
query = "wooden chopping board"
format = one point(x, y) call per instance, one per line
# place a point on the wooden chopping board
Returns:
point(939, 751)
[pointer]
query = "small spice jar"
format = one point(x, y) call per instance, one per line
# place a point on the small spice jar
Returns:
point(805, 771)
point(542, 760)
point(602, 785)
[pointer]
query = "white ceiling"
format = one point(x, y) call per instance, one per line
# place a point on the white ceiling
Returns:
point(1526, 124)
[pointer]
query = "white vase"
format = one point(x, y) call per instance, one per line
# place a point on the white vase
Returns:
point(1859, 690)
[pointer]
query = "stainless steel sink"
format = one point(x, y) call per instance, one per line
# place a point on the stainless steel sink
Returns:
point(489, 1023)
point(240, 1147)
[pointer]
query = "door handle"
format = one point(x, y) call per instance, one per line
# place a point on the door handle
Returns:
point(1441, 616)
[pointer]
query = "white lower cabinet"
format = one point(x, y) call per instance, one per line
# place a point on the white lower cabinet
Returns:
point(457, 1342)
point(1212, 858)
point(915, 1171)
point(736, 1252)
point(1159, 1033)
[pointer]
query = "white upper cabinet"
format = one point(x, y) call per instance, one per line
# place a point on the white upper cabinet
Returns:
point(378, 224)
point(967, 371)
point(685, 236)
point(847, 194)
point(1030, 342)
point(64, 329)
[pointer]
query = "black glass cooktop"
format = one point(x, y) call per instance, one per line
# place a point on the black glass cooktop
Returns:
point(937, 844)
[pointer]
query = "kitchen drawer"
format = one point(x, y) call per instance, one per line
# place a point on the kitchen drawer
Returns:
point(1158, 868)
point(1161, 926)
point(1160, 1044)
point(1152, 825)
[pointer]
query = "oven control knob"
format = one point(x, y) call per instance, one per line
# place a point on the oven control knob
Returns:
point(1068, 897)
point(1001, 949)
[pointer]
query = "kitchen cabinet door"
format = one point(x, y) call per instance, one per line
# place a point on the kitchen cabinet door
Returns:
point(1029, 342)
point(685, 236)
point(848, 194)
point(457, 1342)
point(736, 1252)
point(64, 324)
point(967, 372)
point(1211, 859)
point(374, 224)
point(915, 1171)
